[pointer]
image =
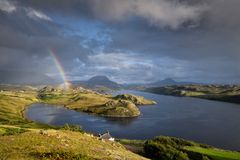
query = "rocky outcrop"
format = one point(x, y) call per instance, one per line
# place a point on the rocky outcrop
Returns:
point(116, 108)
point(137, 100)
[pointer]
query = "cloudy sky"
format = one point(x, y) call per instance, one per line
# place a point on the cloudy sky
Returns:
point(132, 41)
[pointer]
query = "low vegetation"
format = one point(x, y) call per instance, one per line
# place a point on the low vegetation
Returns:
point(61, 144)
point(24, 139)
point(6, 131)
point(13, 102)
point(226, 93)
point(170, 148)
point(92, 102)
point(137, 100)
point(13, 105)
point(214, 153)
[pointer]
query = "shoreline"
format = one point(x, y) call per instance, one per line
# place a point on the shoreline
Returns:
point(203, 98)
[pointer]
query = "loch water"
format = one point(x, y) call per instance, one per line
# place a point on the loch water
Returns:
point(211, 122)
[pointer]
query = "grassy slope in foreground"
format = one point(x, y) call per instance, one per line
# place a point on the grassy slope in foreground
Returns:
point(92, 102)
point(170, 148)
point(16, 143)
point(226, 93)
point(60, 144)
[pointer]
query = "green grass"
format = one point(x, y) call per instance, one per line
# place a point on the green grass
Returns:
point(11, 131)
point(23, 139)
point(61, 144)
point(215, 154)
point(91, 102)
point(137, 143)
point(12, 108)
point(14, 102)
point(171, 148)
point(138, 100)
point(12, 105)
point(226, 93)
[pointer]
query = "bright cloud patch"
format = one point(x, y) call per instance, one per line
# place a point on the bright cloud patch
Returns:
point(7, 6)
point(34, 14)
point(129, 67)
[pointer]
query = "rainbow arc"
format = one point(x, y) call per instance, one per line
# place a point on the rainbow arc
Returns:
point(60, 68)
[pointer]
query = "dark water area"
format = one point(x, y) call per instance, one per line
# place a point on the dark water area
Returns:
point(211, 122)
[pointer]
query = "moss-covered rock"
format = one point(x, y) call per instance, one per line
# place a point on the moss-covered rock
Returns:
point(116, 108)
point(137, 100)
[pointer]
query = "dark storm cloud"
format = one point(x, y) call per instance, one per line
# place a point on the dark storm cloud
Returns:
point(172, 13)
point(26, 32)
point(159, 13)
point(183, 39)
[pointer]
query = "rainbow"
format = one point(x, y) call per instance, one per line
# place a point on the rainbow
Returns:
point(60, 68)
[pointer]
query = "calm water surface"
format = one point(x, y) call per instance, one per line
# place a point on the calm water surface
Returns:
point(210, 122)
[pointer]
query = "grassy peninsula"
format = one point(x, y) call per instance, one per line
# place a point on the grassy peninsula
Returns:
point(15, 100)
point(85, 100)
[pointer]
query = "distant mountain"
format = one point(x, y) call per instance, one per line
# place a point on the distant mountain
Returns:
point(169, 82)
point(24, 77)
point(165, 82)
point(98, 81)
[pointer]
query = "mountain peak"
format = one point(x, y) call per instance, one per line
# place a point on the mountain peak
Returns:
point(99, 78)
point(168, 80)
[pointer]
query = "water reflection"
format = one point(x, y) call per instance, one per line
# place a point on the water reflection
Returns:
point(121, 121)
